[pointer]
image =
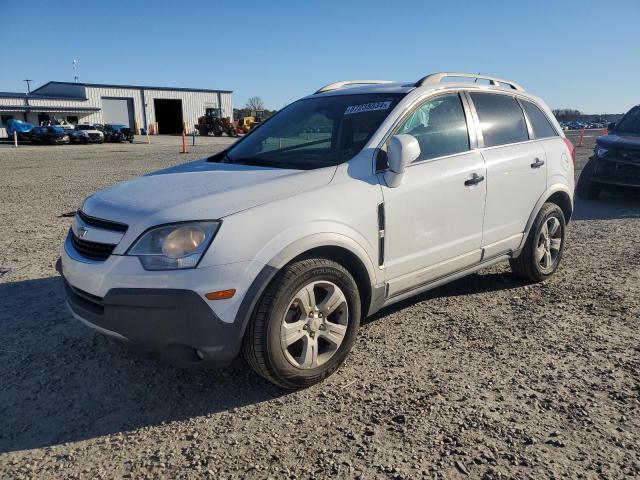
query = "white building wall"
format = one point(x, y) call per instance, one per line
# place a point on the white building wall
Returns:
point(95, 94)
point(194, 103)
point(11, 101)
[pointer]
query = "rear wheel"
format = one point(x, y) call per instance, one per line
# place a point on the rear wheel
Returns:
point(304, 325)
point(586, 188)
point(543, 249)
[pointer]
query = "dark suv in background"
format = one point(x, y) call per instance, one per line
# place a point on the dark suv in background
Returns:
point(117, 133)
point(615, 163)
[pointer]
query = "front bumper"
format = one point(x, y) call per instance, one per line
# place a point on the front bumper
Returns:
point(164, 311)
point(176, 323)
point(616, 171)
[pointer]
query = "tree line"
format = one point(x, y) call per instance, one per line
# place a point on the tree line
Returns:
point(253, 104)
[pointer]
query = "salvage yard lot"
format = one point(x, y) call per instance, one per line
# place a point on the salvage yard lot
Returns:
point(486, 377)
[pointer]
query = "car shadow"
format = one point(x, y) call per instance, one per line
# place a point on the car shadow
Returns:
point(63, 383)
point(484, 281)
point(608, 207)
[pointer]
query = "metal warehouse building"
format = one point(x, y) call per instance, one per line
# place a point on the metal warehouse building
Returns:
point(163, 109)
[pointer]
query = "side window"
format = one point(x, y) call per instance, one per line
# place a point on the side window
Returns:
point(440, 127)
point(501, 119)
point(541, 125)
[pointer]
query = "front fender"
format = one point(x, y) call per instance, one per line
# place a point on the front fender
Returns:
point(324, 239)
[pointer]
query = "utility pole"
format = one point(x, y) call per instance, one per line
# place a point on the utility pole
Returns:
point(28, 80)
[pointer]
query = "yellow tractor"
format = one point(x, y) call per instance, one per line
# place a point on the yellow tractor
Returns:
point(247, 123)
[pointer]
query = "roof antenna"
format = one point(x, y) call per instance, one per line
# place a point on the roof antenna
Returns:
point(75, 70)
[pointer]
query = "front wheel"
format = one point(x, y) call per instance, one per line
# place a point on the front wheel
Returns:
point(543, 249)
point(305, 324)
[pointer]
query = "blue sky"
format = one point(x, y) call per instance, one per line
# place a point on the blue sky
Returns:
point(575, 54)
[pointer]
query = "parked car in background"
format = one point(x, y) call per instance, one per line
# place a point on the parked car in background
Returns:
point(49, 135)
point(117, 133)
point(281, 244)
point(20, 128)
point(86, 133)
point(615, 163)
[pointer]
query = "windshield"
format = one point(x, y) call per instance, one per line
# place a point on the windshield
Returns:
point(630, 122)
point(55, 129)
point(85, 127)
point(315, 132)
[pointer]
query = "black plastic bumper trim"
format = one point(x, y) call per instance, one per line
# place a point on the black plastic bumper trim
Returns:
point(160, 319)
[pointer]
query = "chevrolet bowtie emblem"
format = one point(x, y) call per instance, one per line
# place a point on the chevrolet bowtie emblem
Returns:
point(82, 232)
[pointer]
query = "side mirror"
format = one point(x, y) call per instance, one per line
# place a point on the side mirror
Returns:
point(401, 151)
point(611, 127)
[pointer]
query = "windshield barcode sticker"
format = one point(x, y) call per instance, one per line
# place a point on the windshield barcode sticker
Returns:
point(367, 107)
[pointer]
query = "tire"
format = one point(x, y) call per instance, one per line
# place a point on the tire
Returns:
point(265, 343)
point(586, 188)
point(530, 264)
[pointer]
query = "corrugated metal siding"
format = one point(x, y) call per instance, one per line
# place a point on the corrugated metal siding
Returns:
point(11, 101)
point(194, 104)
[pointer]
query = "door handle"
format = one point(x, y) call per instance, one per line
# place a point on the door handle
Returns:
point(537, 164)
point(474, 180)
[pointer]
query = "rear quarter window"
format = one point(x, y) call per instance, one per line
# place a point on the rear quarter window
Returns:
point(541, 125)
point(501, 119)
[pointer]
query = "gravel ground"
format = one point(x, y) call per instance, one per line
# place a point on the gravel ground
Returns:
point(487, 377)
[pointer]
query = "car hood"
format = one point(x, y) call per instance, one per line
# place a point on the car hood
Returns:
point(199, 190)
point(622, 142)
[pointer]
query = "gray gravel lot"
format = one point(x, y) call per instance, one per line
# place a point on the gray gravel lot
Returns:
point(487, 377)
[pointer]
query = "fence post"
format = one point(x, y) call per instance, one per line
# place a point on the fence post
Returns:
point(15, 139)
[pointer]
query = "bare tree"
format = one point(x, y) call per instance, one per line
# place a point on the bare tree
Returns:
point(255, 103)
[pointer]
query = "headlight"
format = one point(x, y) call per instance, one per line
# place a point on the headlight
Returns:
point(601, 152)
point(174, 247)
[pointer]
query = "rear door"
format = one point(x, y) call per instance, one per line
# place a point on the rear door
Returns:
point(516, 169)
point(559, 165)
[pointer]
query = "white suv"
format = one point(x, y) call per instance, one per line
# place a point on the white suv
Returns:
point(344, 202)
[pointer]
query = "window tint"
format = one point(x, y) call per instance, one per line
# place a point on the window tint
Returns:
point(541, 125)
point(315, 132)
point(440, 127)
point(501, 119)
point(630, 123)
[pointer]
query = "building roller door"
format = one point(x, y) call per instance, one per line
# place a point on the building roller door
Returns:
point(118, 111)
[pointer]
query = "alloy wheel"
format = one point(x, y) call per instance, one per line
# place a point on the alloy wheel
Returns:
point(549, 244)
point(314, 324)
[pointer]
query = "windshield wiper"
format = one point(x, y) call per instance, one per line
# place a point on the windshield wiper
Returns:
point(259, 162)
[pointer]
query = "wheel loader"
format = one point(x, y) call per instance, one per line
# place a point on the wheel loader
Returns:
point(247, 123)
point(214, 122)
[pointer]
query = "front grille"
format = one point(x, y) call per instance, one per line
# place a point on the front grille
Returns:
point(92, 250)
point(100, 223)
point(618, 172)
point(624, 156)
point(94, 136)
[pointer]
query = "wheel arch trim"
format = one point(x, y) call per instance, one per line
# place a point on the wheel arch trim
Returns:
point(554, 189)
point(293, 251)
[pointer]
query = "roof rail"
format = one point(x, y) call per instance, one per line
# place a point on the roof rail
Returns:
point(438, 77)
point(344, 83)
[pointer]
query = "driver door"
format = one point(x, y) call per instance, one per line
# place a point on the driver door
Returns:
point(434, 218)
